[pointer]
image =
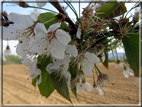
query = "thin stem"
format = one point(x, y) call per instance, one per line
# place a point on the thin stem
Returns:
point(113, 54)
point(49, 20)
point(105, 45)
point(98, 69)
point(116, 53)
point(43, 9)
point(132, 8)
point(71, 8)
point(79, 8)
point(93, 76)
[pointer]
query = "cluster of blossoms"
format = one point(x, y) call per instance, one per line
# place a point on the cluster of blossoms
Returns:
point(70, 52)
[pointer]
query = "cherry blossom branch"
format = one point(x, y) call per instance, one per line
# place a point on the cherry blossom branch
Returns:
point(60, 9)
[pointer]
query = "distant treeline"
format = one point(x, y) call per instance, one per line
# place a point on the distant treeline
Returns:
point(11, 59)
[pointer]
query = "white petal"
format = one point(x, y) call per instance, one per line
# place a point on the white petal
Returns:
point(34, 14)
point(10, 33)
point(126, 73)
point(39, 29)
point(34, 72)
point(80, 87)
point(57, 49)
point(92, 57)
point(53, 27)
point(41, 4)
point(103, 58)
point(88, 86)
point(67, 76)
point(71, 49)
point(66, 61)
point(39, 81)
point(24, 20)
point(100, 91)
point(21, 48)
point(49, 68)
point(131, 72)
point(27, 63)
point(78, 35)
point(88, 67)
point(63, 36)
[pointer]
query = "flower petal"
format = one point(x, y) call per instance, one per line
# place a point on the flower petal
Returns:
point(66, 61)
point(41, 4)
point(88, 86)
point(63, 36)
point(71, 49)
point(126, 73)
point(53, 27)
point(57, 49)
point(21, 48)
point(40, 29)
point(80, 87)
point(49, 68)
point(92, 57)
point(24, 20)
point(88, 67)
point(67, 76)
point(78, 35)
point(27, 63)
point(13, 32)
point(100, 91)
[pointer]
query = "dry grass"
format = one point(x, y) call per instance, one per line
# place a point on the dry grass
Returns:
point(18, 90)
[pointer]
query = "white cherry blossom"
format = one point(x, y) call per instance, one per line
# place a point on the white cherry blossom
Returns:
point(88, 63)
point(22, 30)
point(96, 88)
point(52, 40)
point(60, 66)
point(80, 86)
point(33, 70)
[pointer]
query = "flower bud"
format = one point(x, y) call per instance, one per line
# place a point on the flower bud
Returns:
point(22, 4)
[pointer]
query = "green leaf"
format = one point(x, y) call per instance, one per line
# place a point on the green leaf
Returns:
point(50, 19)
point(74, 92)
point(105, 63)
point(35, 80)
point(60, 85)
point(110, 10)
point(45, 87)
point(73, 69)
point(131, 46)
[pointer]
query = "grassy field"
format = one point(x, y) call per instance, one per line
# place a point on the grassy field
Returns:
point(18, 90)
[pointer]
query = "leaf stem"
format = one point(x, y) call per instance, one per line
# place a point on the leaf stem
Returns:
point(113, 54)
point(97, 69)
point(43, 9)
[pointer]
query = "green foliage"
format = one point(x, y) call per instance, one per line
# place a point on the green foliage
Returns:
point(60, 85)
point(49, 18)
point(73, 69)
point(131, 46)
point(110, 10)
point(46, 86)
point(12, 59)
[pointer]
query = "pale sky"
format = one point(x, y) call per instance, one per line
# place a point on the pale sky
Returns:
point(14, 8)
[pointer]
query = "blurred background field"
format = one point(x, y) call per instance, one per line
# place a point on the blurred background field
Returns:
point(17, 89)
